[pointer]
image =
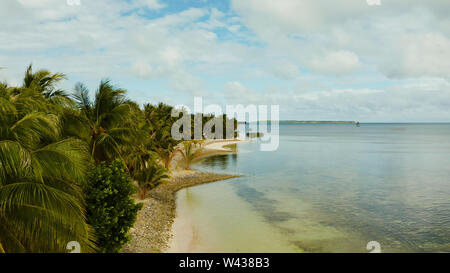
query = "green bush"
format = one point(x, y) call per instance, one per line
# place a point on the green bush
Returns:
point(110, 209)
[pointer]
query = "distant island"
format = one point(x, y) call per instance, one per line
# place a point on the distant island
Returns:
point(315, 121)
point(305, 121)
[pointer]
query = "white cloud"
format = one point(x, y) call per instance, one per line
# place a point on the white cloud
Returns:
point(336, 63)
point(185, 82)
point(286, 70)
point(301, 54)
point(420, 55)
point(97, 41)
point(402, 38)
point(142, 69)
point(337, 93)
point(7, 78)
point(236, 93)
point(425, 99)
point(151, 4)
point(185, 17)
point(297, 16)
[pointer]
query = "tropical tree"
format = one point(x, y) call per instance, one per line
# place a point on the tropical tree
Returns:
point(41, 204)
point(190, 152)
point(167, 154)
point(139, 158)
point(108, 120)
point(44, 83)
point(165, 146)
point(159, 122)
point(110, 209)
point(150, 177)
point(137, 155)
point(43, 80)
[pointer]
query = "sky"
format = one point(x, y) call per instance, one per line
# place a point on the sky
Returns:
point(316, 59)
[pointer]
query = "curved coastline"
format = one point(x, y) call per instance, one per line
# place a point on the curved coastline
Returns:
point(152, 230)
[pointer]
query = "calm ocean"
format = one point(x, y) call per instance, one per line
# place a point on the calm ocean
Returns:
point(328, 188)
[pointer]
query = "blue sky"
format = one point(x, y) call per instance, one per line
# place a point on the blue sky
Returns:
point(317, 59)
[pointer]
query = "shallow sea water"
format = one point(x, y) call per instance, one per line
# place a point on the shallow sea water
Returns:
point(328, 188)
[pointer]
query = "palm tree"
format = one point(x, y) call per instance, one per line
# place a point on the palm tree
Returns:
point(167, 155)
point(165, 146)
point(138, 158)
point(43, 82)
point(159, 122)
point(190, 153)
point(41, 204)
point(150, 177)
point(108, 120)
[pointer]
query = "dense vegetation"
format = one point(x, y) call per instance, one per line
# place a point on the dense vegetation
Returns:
point(65, 158)
point(110, 210)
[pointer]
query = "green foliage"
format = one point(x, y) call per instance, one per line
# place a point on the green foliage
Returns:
point(107, 119)
point(49, 142)
point(41, 170)
point(110, 209)
point(190, 152)
point(150, 177)
point(159, 121)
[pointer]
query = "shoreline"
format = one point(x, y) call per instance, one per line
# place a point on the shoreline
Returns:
point(152, 231)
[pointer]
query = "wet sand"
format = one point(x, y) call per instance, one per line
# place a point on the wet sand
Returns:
point(152, 230)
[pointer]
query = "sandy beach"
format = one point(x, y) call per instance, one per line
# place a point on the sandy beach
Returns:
point(152, 231)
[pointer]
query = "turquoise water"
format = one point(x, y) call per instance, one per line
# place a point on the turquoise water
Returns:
point(328, 188)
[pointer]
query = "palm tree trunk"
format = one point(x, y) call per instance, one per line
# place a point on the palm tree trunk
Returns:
point(93, 149)
point(167, 162)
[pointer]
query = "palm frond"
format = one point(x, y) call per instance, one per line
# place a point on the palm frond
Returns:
point(35, 128)
point(15, 161)
point(66, 160)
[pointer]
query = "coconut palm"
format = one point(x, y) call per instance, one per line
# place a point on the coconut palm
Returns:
point(167, 155)
point(150, 177)
point(108, 120)
point(44, 80)
point(139, 157)
point(159, 123)
point(41, 204)
point(165, 147)
point(190, 153)
point(44, 83)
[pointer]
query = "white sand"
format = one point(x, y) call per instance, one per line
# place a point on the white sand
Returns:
point(218, 145)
